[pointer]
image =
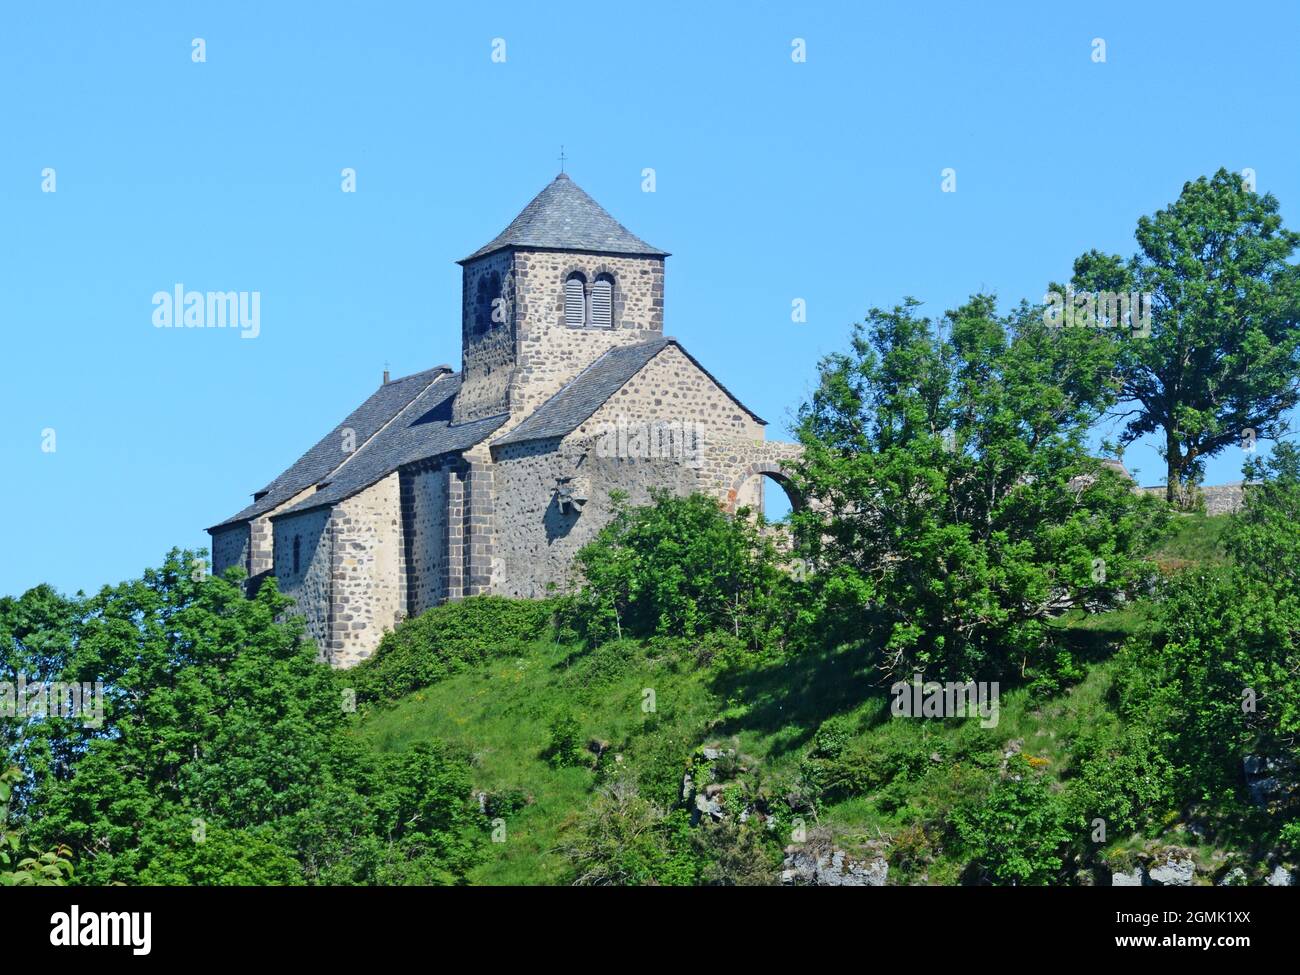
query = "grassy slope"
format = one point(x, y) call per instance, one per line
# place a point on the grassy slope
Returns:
point(500, 713)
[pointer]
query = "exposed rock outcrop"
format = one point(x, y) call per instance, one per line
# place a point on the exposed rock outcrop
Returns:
point(832, 868)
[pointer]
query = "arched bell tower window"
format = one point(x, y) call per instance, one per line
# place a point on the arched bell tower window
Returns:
point(489, 290)
point(575, 300)
point(602, 301)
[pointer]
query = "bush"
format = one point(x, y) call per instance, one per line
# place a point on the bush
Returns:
point(564, 746)
point(1016, 836)
point(678, 567)
point(625, 840)
point(447, 639)
point(1120, 775)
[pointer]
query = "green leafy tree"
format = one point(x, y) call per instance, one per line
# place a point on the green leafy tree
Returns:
point(1213, 674)
point(225, 747)
point(680, 566)
point(22, 867)
point(1223, 353)
point(953, 504)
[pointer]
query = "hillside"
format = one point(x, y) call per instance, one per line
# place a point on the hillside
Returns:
point(891, 787)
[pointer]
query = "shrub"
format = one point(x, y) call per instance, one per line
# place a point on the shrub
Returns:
point(1015, 836)
point(678, 567)
point(625, 840)
point(1121, 776)
point(564, 747)
point(446, 639)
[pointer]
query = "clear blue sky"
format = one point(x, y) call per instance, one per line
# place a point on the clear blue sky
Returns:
point(776, 180)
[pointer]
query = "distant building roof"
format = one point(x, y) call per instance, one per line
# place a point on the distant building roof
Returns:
point(578, 399)
point(1110, 463)
point(563, 217)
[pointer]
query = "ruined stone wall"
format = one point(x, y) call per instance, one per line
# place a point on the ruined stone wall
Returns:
point(1219, 499)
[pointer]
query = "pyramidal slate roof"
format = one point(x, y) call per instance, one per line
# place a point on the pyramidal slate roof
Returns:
point(327, 455)
point(563, 217)
point(583, 395)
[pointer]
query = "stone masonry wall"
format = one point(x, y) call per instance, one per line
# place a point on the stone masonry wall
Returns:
point(536, 539)
point(310, 587)
point(671, 387)
point(1220, 499)
point(262, 535)
point(488, 348)
point(551, 353)
point(230, 547)
point(424, 492)
point(349, 585)
point(368, 589)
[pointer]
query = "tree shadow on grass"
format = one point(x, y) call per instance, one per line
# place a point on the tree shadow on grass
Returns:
point(790, 699)
point(1092, 643)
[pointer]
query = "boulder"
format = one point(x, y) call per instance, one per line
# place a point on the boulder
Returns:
point(1281, 877)
point(1173, 868)
point(1133, 878)
point(832, 868)
point(709, 806)
point(1236, 877)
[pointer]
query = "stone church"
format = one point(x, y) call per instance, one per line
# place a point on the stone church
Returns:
point(448, 484)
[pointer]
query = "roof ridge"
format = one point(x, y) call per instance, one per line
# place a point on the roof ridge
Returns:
point(384, 426)
point(265, 500)
point(577, 376)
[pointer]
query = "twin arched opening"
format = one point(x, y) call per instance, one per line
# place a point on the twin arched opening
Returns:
point(589, 304)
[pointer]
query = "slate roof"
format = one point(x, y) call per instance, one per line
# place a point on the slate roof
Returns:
point(315, 465)
point(563, 217)
point(409, 420)
point(577, 400)
point(420, 431)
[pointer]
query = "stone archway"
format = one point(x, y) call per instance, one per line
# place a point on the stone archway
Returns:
point(772, 471)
